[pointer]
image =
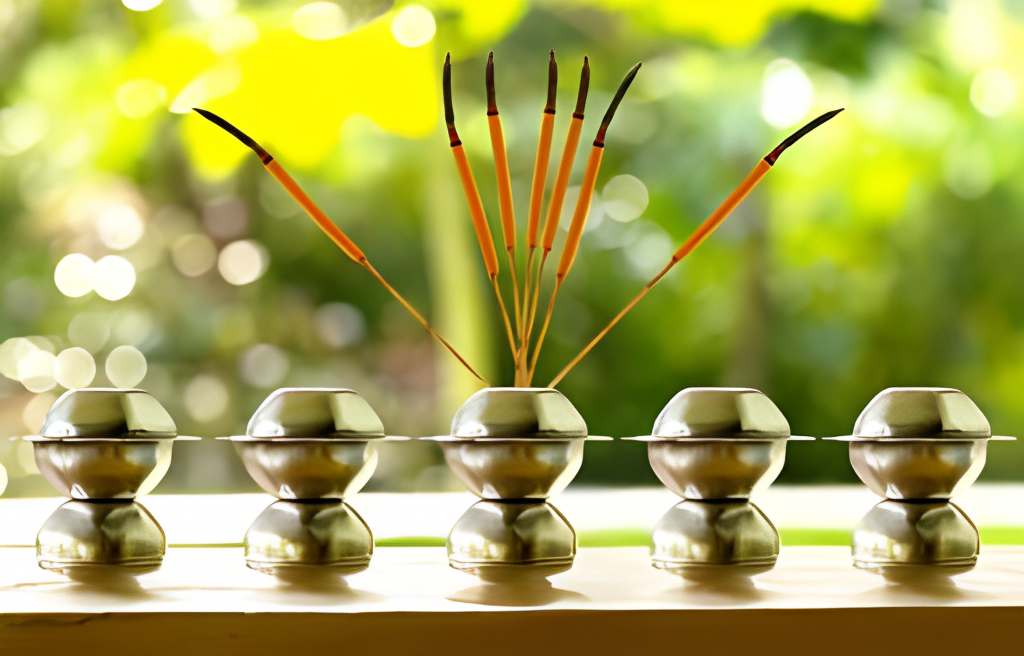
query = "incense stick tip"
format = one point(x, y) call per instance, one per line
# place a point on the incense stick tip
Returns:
point(619, 95)
point(446, 88)
point(492, 105)
point(236, 133)
point(773, 156)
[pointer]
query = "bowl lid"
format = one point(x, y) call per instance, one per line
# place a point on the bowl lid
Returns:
point(921, 412)
point(98, 413)
point(721, 412)
point(316, 413)
point(518, 412)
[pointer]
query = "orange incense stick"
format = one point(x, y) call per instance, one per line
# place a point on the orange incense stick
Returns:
point(554, 213)
point(540, 174)
point(579, 217)
point(476, 206)
point(506, 209)
point(705, 229)
point(329, 227)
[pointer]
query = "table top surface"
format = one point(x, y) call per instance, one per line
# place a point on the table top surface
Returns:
point(418, 579)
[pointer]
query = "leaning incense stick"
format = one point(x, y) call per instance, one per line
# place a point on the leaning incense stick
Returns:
point(579, 217)
point(554, 212)
point(329, 227)
point(476, 206)
point(705, 229)
point(506, 209)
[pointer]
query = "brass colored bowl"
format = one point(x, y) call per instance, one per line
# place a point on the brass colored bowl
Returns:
point(515, 443)
point(297, 469)
point(718, 443)
point(919, 443)
point(92, 534)
point(298, 534)
point(897, 534)
point(701, 539)
point(311, 443)
point(497, 540)
point(105, 443)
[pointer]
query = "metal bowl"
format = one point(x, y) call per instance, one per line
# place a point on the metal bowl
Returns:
point(105, 443)
point(919, 443)
point(309, 470)
point(498, 540)
point(718, 443)
point(93, 534)
point(311, 443)
point(701, 539)
point(297, 534)
point(515, 443)
point(896, 534)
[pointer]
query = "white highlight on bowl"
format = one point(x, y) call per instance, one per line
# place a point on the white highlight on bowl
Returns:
point(74, 368)
point(413, 26)
point(320, 21)
point(114, 277)
point(624, 198)
point(242, 262)
point(786, 93)
point(74, 275)
point(125, 367)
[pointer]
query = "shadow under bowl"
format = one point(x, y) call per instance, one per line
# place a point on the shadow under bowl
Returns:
point(308, 469)
point(103, 469)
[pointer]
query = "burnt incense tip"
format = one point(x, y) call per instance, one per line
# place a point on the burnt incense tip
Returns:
point(264, 156)
point(492, 105)
point(552, 84)
point(799, 134)
point(581, 97)
point(619, 94)
point(446, 86)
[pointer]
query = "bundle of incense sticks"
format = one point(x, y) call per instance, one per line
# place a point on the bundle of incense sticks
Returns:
point(526, 298)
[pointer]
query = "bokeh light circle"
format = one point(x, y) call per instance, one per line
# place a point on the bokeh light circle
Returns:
point(74, 368)
point(74, 275)
point(35, 371)
point(413, 26)
point(242, 262)
point(624, 198)
point(125, 366)
point(114, 278)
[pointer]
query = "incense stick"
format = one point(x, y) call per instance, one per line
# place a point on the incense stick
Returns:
point(540, 174)
point(579, 217)
point(476, 206)
point(557, 199)
point(705, 229)
point(329, 227)
point(505, 206)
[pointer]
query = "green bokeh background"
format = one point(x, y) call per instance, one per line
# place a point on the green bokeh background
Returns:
point(882, 251)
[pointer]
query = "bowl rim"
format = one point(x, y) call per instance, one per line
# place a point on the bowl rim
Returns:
point(539, 438)
point(738, 438)
point(297, 439)
point(149, 439)
point(950, 439)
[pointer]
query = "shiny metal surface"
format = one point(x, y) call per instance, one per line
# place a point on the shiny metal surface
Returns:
point(700, 539)
point(296, 534)
point(90, 534)
point(295, 469)
point(921, 412)
point(899, 534)
point(315, 413)
point(495, 469)
point(499, 540)
point(725, 412)
point(717, 469)
point(518, 412)
point(107, 414)
point(918, 469)
point(88, 469)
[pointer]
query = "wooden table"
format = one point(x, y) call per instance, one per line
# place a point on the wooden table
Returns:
point(205, 601)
